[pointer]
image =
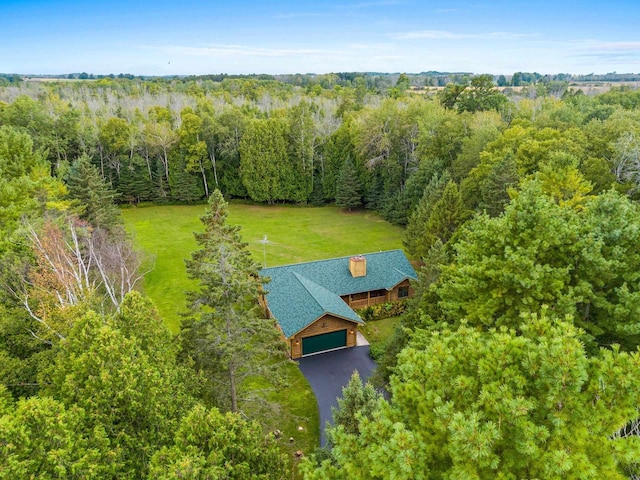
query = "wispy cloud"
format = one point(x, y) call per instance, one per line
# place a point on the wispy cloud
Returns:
point(608, 46)
point(446, 35)
point(607, 58)
point(374, 47)
point(593, 51)
point(347, 50)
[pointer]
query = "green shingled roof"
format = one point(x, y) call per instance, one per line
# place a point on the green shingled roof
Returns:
point(299, 294)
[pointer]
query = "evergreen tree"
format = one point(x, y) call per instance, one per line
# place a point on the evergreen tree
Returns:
point(494, 194)
point(212, 445)
point(121, 370)
point(134, 184)
point(374, 189)
point(185, 187)
point(496, 405)
point(43, 439)
point(348, 188)
point(414, 236)
point(358, 401)
point(338, 147)
point(264, 162)
point(545, 249)
point(93, 195)
point(224, 333)
point(447, 215)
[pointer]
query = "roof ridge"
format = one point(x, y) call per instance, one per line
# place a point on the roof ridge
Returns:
point(299, 278)
point(333, 258)
point(401, 272)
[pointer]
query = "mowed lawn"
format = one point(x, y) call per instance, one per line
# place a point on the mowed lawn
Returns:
point(294, 234)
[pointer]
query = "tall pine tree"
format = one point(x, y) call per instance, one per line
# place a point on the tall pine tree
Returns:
point(225, 334)
point(348, 188)
point(93, 194)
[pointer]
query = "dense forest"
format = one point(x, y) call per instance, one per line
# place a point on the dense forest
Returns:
point(518, 356)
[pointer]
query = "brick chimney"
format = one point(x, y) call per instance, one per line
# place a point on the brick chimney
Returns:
point(358, 266)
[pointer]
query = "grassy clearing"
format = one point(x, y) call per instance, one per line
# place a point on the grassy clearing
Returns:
point(297, 412)
point(294, 234)
point(378, 332)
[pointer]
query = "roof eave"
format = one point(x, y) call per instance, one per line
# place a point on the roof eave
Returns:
point(361, 322)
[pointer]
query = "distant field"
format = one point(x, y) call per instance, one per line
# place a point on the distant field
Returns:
point(294, 234)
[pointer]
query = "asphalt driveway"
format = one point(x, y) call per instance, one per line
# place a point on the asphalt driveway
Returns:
point(329, 372)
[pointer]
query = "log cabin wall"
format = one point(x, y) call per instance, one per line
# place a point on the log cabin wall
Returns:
point(325, 324)
point(367, 299)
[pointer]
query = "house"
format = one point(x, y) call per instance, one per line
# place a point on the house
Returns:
point(313, 302)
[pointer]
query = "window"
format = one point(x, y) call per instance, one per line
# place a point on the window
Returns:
point(403, 292)
point(377, 293)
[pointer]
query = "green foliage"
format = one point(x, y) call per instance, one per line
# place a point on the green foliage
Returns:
point(335, 151)
point(420, 216)
point(27, 191)
point(25, 183)
point(479, 96)
point(301, 130)
point(447, 214)
point(348, 189)
point(93, 197)
point(193, 148)
point(467, 404)
point(43, 439)
point(545, 251)
point(184, 186)
point(358, 402)
point(486, 130)
point(568, 243)
point(383, 310)
point(224, 333)
point(122, 372)
point(494, 188)
point(421, 232)
point(210, 445)
point(264, 162)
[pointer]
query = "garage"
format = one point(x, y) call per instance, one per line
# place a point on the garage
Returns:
point(325, 341)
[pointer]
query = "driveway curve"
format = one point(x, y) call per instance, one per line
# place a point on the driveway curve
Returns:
point(328, 372)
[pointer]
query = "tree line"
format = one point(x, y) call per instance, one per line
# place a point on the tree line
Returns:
point(270, 141)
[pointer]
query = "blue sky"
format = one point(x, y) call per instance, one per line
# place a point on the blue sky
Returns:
point(159, 37)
